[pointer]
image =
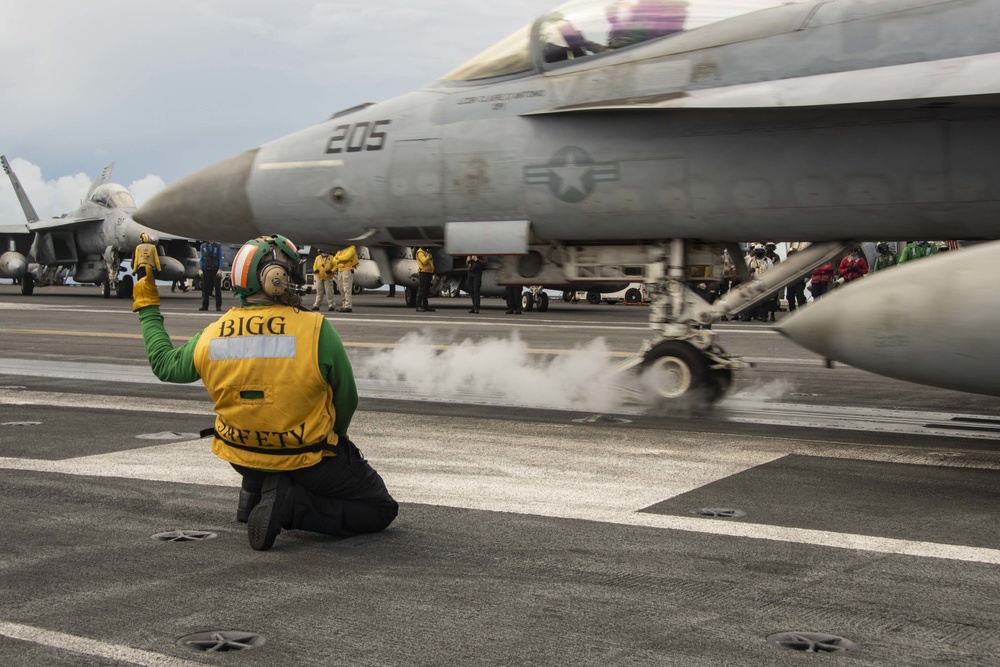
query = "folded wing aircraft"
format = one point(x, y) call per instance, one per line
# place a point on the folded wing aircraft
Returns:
point(87, 244)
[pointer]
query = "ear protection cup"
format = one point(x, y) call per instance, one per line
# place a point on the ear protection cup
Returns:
point(274, 280)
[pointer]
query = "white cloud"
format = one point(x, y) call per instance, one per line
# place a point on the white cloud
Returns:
point(63, 194)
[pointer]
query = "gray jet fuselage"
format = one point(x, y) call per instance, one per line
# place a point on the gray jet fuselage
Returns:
point(815, 121)
point(716, 175)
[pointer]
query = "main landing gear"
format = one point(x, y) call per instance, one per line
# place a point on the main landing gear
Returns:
point(682, 365)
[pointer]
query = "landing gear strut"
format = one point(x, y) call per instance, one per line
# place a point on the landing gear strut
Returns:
point(682, 364)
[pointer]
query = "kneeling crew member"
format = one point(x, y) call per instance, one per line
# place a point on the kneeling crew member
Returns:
point(284, 396)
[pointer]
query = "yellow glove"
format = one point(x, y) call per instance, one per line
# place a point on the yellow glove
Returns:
point(144, 293)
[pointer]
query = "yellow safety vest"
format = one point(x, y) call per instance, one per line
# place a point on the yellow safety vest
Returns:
point(346, 259)
point(322, 267)
point(145, 253)
point(274, 409)
point(425, 261)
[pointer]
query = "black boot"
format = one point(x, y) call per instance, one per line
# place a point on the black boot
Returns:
point(272, 513)
point(248, 500)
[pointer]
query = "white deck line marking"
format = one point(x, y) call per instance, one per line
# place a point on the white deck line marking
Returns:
point(552, 475)
point(76, 644)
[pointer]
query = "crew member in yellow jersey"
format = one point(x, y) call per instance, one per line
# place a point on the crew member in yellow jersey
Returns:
point(145, 258)
point(323, 279)
point(345, 262)
point(284, 395)
point(425, 273)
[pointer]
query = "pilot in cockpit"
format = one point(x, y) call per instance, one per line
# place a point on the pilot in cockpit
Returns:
point(620, 24)
point(576, 46)
point(645, 20)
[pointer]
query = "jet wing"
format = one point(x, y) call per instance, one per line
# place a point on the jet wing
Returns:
point(53, 224)
point(17, 228)
point(965, 81)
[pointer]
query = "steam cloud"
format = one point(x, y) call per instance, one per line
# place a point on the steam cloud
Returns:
point(497, 370)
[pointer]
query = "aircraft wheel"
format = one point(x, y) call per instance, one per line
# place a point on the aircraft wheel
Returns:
point(593, 297)
point(227, 284)
point(27, 284)
point(567, 296)
point(543, 302)
point(357, 289)
point(675, 370)
point(124, 289)
point(106, 289)
point(527, 302)
point(722, 381)
point(410, 297)
point(633, 296)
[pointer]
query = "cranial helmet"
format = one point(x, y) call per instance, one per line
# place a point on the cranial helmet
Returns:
point(270, 265)
point(144, 238)
point(759, 251)
point(882, 248)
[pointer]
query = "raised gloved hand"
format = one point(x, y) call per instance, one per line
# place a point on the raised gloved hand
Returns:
point(144, 293)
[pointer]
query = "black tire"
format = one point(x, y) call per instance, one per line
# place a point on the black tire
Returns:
point(567, 296)
point(410, 297)
point(527, 302)
point(106, 289)
point(357, 289)
point(632, 295)
point(543, 302)
point(593, 297)
point(28, 284)
point(124, 289)
point(675, 371)
point(227, 283)
point(723, 380)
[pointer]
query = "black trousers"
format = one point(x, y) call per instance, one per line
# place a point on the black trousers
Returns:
point(209, 281)
point(796, 295)
point(423, 289)
point(476, 287)
point(341, 495)
point(514, 298)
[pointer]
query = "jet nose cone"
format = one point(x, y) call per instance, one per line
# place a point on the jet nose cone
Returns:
point(811, 326)
point(210, 204)
point(13, 265)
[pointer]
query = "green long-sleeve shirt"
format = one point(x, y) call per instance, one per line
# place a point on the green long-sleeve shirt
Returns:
point(172, 364)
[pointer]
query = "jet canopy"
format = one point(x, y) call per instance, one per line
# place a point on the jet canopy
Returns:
point(112, 195)
point(582, 28)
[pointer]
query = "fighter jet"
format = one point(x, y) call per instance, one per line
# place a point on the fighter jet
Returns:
point(87, 245)
point(651, 135)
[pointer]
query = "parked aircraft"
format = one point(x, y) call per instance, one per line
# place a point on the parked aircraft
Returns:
point(594, 138)
point(87, 245)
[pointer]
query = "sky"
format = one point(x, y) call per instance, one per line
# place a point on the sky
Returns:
point(163, 88)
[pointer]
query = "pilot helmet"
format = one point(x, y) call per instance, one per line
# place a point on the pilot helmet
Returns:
point(272, 266)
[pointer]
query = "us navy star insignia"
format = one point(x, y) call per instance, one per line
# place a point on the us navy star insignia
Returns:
point(571, 174)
